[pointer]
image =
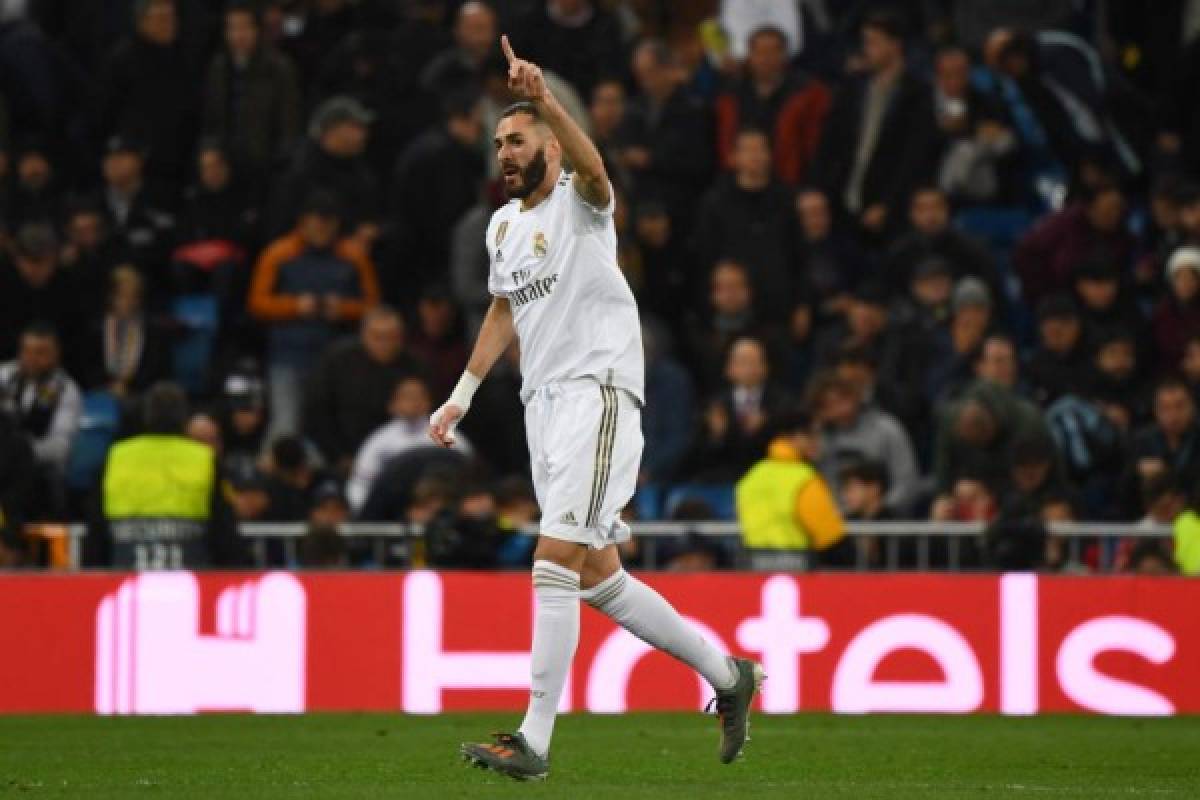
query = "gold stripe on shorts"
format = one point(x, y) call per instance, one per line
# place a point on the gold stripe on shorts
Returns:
point(605, 440)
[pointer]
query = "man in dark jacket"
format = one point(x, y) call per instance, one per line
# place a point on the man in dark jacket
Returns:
point(975, 436)
point(140, 214)
point(932, 234)
point(789, 108)
point(666, 135)
point(347, 393)
point(332, 161)
point(748, 217)
point(573, 38)
point(34, 288)
point(149, 90)
point(437, 180)
point(251, 96)
point(879, 140)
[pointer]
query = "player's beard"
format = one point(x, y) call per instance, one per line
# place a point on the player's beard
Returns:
point(532, 176)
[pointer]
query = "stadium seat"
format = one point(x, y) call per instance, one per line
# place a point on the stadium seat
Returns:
point(97, 428)
point(198, 317)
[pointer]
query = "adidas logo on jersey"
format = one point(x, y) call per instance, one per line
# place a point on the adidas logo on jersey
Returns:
point(568, 519)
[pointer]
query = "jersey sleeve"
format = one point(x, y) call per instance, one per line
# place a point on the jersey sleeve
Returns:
point(493, 281)
point(587, 214)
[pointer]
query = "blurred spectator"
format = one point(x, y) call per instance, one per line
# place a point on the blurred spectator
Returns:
point(323, 548)
point(291, 479)
point(89, 253)
point(933, 235)
point(879, 141)
point(956, 345)
point(1102, 304)
point(148, 89)
point(1149, 558)
point(468, 537)
point(996, 361)
point(667, 135)
point(1059, 364)
point(741, 20)
point(1114, 377)
point(439, 341)
point(408, 429)
point(251, 95)
point(307, 286)
point(731, 314)
point(862, 489)
point(1189, 365)
point(1171, 443)
point(606, 113)
point(202, 427)
point(576, 38)
point(460, 67)
point(787, 514)
point(789, 109)
point(832, 263)
point(329, 505)
point(350, 387)
point(42, 397)
point(861, 327)
point(313, 31)
point(1187, 540)
point(851, 433)
point(140, 215)
point(156, 518)
point(748, 217)
point(1177, 316)
point(666, 264)
point(127, 352)
point(1035, 481)
point(34, 289)
point(1048, 254)
point(974, 437)
point(798, 349)
point(436, 181)
point(34, 195)
point(331, 161)
point(18, 487)
point(469, 264)
point(243, 417)
point(667, 417)
point(738, 420)
point(978, 144)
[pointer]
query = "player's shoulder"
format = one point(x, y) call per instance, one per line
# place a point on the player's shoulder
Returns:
point(504, 212)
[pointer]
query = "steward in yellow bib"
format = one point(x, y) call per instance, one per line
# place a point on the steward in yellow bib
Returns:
point(1187, 541)
point(788, 516)
point(162, 504)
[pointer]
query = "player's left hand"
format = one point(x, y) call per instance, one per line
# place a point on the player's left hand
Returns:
point(525, 78)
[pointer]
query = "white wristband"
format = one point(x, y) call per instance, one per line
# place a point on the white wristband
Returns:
point(464, 390)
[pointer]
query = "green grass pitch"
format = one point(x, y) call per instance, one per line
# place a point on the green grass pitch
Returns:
point(627, 757)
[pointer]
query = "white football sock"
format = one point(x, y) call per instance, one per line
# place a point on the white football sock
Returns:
point(647, 615)
point(555, 635)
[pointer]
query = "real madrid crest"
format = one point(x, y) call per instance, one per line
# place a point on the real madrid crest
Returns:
point(539, 244)
point(500, 231)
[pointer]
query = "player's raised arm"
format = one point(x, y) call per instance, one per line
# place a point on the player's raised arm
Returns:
point(495, 335)
point(526, 81)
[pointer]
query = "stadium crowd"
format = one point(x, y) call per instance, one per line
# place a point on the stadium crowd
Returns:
point(950, 247)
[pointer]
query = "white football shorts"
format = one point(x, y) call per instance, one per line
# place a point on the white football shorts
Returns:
point(585, 449)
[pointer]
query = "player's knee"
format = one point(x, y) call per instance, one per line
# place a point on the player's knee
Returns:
point(570, 555)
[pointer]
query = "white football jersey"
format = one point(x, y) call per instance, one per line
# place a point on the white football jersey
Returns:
point(574, 313)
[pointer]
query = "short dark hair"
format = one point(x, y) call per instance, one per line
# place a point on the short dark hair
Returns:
point(40, 329)
point(165, 409)
point(521, 107)
point(1172, 383)
point(867, 471)
point(886, 22)
point(287, 452)
point(768, 30)
point(243, 7)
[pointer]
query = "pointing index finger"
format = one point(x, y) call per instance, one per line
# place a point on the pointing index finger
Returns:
point(507, 48)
